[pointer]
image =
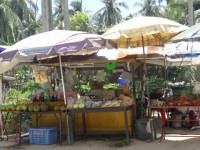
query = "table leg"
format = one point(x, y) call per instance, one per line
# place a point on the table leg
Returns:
point(60, 125)
point(132, 122)
point(20, 122)
point(72, 127)
point(126, 128)
point(36, 120)
point(163, 124)
point(84, 126)
point(68, 129)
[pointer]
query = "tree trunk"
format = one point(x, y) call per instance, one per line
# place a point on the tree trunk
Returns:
point(66, 14)
point(190, 13)
point(46, 15)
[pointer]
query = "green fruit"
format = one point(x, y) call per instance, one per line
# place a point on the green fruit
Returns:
point(44, 107)
point(56, 108)
point(62, 107)
point(36, 107)
point(30, 107)
point(75, 106)
point(81, 105)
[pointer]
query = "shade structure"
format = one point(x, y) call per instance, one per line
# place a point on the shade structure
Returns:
point(189, 34)
point(185, 44)
point(52, 43)
point(3, 47)
point(143, 31)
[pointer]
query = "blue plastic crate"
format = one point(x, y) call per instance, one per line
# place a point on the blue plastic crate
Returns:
point(43, 135)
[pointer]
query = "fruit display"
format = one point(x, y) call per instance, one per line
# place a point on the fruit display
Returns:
point(21, 105)
point(79, 103)
point(12, 107)
point(88, 102)
point(59, 107)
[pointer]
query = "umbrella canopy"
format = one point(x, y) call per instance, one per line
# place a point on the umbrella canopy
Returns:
point(185, 43)
point(52, 43)
point(143, 31)
point(191, 33)
point(3, 47)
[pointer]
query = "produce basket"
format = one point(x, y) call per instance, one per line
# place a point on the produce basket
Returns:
point(43, 135)
point(186, 90)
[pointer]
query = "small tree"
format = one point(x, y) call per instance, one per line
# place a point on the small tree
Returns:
point(80, 22)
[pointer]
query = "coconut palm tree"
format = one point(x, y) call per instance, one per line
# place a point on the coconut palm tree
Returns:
point(76, 6)
point(25, 10)
point(111, 12)
point(14, 15)
point(149, 8)
point(58, 11)
point(58, 14)
point(9, 22)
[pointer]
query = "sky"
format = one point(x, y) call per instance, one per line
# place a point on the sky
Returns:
point(95, 5)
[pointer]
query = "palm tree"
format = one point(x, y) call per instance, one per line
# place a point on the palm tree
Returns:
point(25, 10)
point(76, 6)
point(149, 8)
point(59, 14)
point(190, 13)
point(14, 15)
point(111, 12)
point(9, 22)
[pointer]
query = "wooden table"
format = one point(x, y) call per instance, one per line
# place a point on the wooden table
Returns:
point(70, 117)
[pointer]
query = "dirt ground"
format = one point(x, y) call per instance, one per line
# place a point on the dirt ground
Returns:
point(170, 143)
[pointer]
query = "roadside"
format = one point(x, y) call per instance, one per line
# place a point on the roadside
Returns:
point(176, 143)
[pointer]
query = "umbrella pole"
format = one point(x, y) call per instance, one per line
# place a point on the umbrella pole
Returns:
point(65, 101)
point(145, 73)
point(63, 86)
point(145, 67)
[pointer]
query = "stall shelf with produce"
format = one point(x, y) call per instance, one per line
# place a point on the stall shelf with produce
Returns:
point(182, 124)
point(96, 121)
point(103, 122)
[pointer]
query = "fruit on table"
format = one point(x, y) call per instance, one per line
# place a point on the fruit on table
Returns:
point(56, 108)
point(62, 107)
point(30, 107)
point(36, 107)
point(79, 104)
point(22, 101)
point(44, 107)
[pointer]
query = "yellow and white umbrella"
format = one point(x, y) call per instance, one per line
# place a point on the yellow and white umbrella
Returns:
point(143, 31)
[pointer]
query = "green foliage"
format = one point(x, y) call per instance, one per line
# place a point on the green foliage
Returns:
point(30, 86)
point(149, 8)
point(181, 73)
point(80, 22)
point(111, 86)
point(82, 87)
point(13, 95)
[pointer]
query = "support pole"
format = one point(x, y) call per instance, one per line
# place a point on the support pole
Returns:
point(63, 83)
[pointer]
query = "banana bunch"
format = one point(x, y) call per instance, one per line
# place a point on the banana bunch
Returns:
point(22, 101)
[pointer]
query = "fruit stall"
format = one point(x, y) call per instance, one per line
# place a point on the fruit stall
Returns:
point(104, 110)
point(180, 113)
